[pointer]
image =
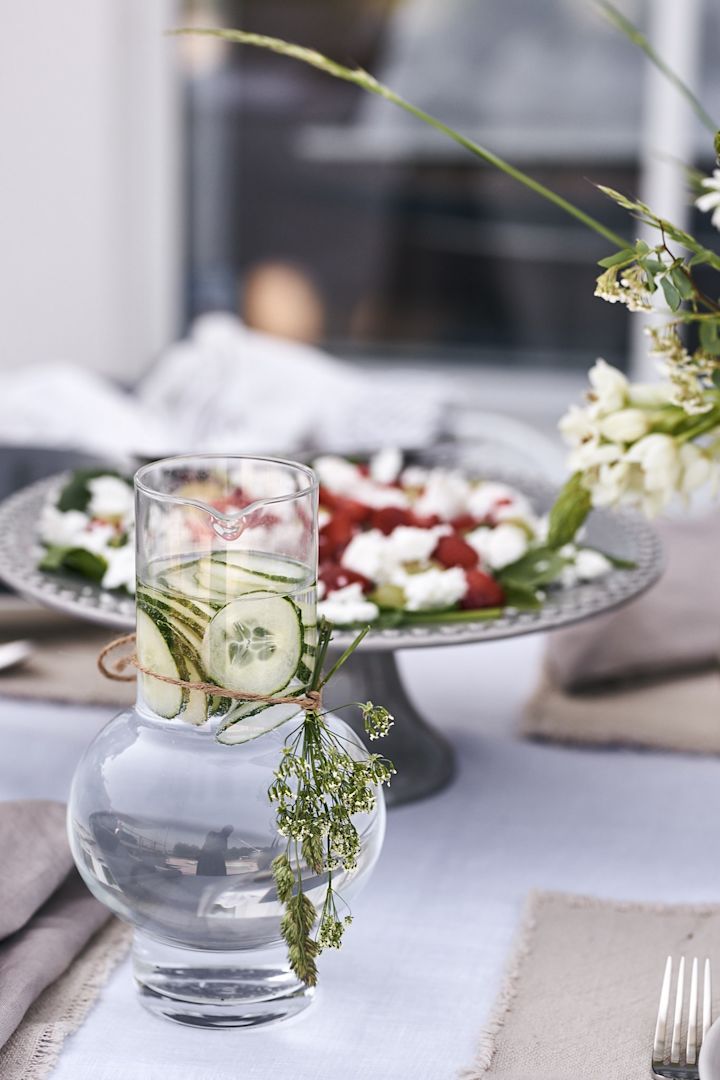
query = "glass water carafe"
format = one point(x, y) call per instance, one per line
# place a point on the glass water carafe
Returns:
point(169, 818)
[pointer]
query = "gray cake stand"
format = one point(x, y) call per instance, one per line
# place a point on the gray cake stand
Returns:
point(422, 756)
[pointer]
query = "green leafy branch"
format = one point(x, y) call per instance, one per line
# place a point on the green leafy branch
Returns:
point(635, 35)
point(320, 784)
point(368, 82)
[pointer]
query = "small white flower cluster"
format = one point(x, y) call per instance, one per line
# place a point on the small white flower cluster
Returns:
point(627, 286)
point(106, 528)
point(685, 372)
point(620, 456)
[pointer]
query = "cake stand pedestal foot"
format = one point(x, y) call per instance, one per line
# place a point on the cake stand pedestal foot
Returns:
point(424, 759)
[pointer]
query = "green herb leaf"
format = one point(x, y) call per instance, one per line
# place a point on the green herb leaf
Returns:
point(76, 493)
point(537, 567)
point(709, 337)
point(626, 255)
point(75, 559)
point(518, 595)
point(569, 512)
point(672, 295)
point(682, 282)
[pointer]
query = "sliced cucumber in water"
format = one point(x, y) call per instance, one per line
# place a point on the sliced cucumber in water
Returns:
point(267, 567)
point(250, 721)
point(254, 644)
point(196, 707)
point(187, 608)
point(182, 581)
point(158, 651)
point(174, 612)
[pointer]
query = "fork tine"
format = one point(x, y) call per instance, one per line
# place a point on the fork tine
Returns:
point(662, 1016)
point(691, 1049)
point(677, 1022)
point(707, 999)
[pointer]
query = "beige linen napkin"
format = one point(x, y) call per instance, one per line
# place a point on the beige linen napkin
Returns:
point(581, 992)
point(47, 916)
point(63, 666)
point(649, 673)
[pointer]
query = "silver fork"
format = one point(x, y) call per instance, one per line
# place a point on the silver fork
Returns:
point(682, 1060)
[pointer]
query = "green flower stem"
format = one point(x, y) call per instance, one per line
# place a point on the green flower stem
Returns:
point(318, 787)
point(622, 23)
point(369, 83)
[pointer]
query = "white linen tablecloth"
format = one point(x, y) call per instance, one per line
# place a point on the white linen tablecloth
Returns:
point(409, 993)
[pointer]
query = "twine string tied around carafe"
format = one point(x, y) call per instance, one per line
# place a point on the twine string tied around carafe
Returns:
point(308, 701)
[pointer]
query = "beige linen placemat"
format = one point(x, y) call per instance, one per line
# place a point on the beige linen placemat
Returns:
point(63, 666)
point(647, 674)
point(581, 992)
point(34, 1047)
point(682, 714)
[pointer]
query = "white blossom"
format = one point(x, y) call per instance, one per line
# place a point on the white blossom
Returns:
point(659, 457)
point(711, 199)
point(611, 483)
point(609, 388)
point(697, 467)
point(625, 426)
point(593, 454)
point(578, 425)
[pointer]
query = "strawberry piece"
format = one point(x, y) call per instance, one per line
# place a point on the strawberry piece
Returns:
point(464, 523)
point(454, 551)
point(388, 518)
point(336, 535)
point(482, 591)
point(350, 508)
point(334, 576)
point(427, 522)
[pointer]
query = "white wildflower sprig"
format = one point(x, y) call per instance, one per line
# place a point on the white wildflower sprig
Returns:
point(628, 286)
point(638, 444)
point(319, 786)
point(710, 199)
point(608, 466)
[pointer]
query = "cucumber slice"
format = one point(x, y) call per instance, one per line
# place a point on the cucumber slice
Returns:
point(250, 721)
point(180, 579)
point(190, 610)
point(157, 651)
point(221, 579)
point(196, 707)
point(175, 613)
point(254, 643)
point(187, 638)
point(183, 581)
point(267, 567)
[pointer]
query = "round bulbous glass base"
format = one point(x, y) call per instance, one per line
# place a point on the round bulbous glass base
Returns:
point(217, 990)
point(176, 834)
